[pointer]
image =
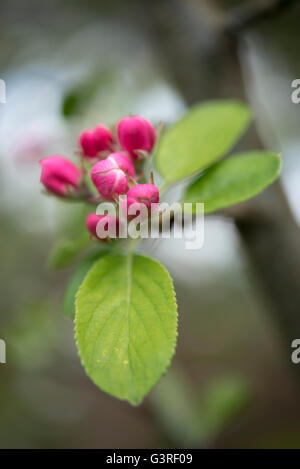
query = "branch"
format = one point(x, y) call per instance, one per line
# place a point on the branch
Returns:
point(251, 15)
point(267, 228)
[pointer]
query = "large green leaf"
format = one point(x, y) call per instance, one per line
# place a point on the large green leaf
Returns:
point(234, 179)
point(206, 133)
point(126, 324)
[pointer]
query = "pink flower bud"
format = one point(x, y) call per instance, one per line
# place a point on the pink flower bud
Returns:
point(94, 141)
point(142, 195)
point(123, 162)
point(96, 224)
point(59, 175)
point(136, 133)
point(109, 175)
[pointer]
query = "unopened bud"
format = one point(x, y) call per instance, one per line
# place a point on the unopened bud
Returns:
point(59, 175)
point(95, 141)
point(110, 175)
point(136, 135)
point(102, 226)
point(144, 196)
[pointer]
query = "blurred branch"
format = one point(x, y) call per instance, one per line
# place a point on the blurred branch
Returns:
point(269, 232)
point(271, 237)
point(189, 50)
point(251, 14)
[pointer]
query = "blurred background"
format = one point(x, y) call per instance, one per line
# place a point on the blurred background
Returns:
point(69, 65)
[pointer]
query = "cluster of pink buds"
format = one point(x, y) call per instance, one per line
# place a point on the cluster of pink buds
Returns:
point(115, 159)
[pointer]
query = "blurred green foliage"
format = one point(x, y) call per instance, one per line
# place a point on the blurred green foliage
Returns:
point(76, 100)
point(194, 420)
point(76, 280)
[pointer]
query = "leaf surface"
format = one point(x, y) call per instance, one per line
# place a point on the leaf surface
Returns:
point(234, 180)
point(202, 136)
point(126, 324)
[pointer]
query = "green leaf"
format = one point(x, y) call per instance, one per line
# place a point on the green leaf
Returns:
point(65, 251)
point(206, 133)
point(126, 324)
point(75, 281)
point(234, 179)
point(75, 238)
point(222, 400)
point(78, 98)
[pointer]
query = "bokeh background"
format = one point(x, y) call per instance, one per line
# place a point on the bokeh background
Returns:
point(69, 65)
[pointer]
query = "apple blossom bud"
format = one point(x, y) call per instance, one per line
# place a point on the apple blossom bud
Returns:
point(109, 175)
point(59, 175)
point(95, 141)
point(143, 195)
point(136, 134)
point(102, 226)
point(123, 162)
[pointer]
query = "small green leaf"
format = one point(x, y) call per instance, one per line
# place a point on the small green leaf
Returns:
point(222, 400)
point(71, 104)
point(126, 324)
point(206, 133)
point(78, 98)
point(65, 251)
point(234, 180)
point(75, 237)
point(75, 281)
